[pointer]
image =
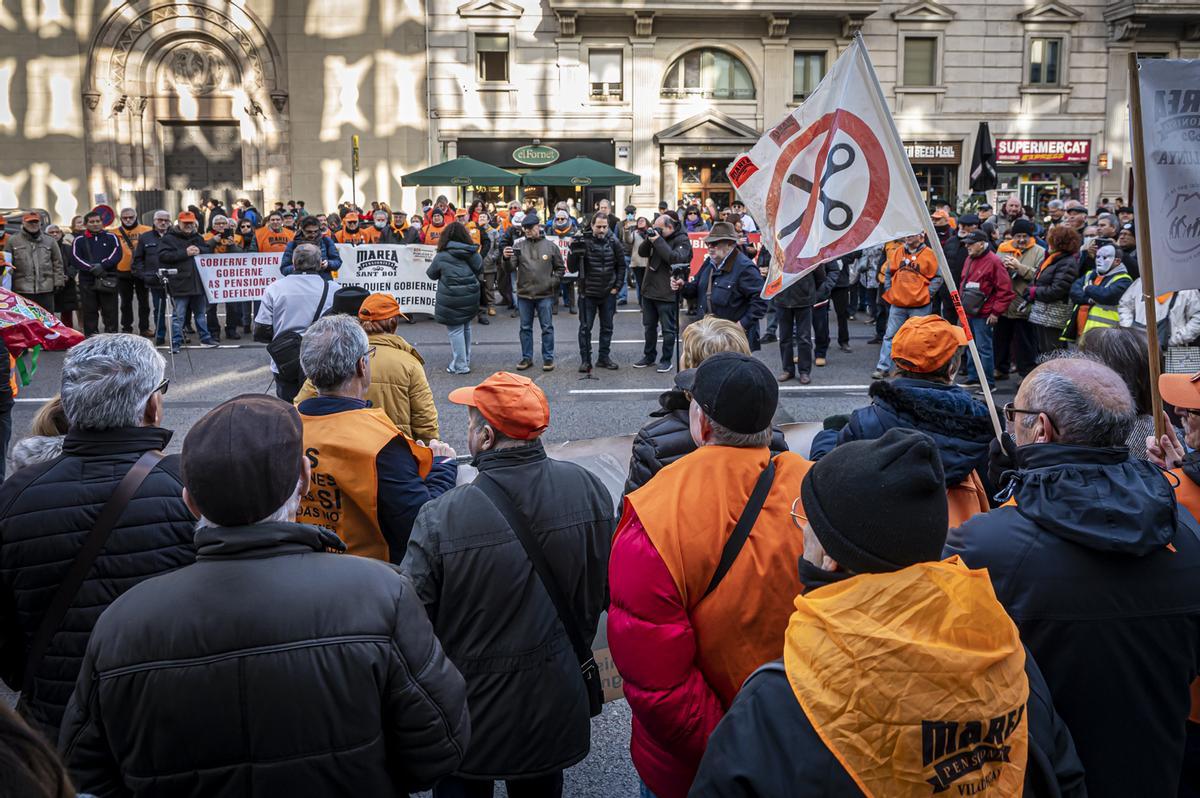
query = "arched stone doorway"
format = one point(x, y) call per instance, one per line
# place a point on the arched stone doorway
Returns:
point(183, 98)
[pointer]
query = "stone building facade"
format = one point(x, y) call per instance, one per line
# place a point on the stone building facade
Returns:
point(157, 101)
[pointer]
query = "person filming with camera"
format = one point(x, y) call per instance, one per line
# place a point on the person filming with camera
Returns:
point(598, 259)
point(729, 284)
point(668, 251)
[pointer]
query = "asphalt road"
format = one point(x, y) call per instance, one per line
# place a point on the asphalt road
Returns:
point(615, 403)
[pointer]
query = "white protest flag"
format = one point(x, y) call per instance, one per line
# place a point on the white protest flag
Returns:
point(1171, 138)
point(832, 177)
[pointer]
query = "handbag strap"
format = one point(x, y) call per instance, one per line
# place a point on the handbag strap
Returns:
point(517, 522)
point(68, 589)
point(741, 532)
point(321, 304)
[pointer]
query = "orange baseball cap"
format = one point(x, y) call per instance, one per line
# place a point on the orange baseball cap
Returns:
point(380, 307)
point(31, 217)
point(940, 216)
point(511, 403)
point(924, 344)
point(187, 216)
point(1181, 390)
point(350, 217)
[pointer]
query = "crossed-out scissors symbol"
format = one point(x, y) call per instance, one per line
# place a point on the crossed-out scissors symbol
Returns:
point(829, 204)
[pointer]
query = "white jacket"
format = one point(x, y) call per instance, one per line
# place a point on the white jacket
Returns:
point(1185, 314)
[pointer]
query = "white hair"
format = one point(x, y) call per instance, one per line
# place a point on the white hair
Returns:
point(34, 449)
point(107, 381)
point(330, 351)
point(219, 218)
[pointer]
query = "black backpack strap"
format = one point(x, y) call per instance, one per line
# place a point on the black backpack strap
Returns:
point(520, 527)
point(737, 539)
point(68, 589)
point(321, 304)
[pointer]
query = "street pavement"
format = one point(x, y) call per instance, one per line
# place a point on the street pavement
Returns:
point(615, 403)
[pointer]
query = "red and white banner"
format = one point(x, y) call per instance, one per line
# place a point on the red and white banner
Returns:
point(832, 177)
point(700, 249)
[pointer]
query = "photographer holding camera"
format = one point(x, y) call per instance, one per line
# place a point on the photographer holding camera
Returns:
point(669, 256)
point(145, 267)
point(600, 262)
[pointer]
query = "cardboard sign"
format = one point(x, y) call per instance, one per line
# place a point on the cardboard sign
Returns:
point(396, 269)
point(700, 249)
point(238, 277)
point(564, 247)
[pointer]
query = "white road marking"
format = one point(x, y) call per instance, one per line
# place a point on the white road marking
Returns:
point(660, 390)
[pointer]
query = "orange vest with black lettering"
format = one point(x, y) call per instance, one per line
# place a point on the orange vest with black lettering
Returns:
point(344, 494)
point(689, 511)
point(270, 241)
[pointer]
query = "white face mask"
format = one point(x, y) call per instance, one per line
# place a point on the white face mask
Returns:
point(1105, 256)
point(380, 224)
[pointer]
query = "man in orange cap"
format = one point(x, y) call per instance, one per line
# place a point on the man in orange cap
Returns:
point(37, 264)
point(923, 397)
point(351, 233)
point(511, 569)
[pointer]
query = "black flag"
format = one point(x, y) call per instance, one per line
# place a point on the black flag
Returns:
point(983, 162)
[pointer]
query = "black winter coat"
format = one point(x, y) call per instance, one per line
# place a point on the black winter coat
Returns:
point(667, 437)
point(766, 747)
point(600, 264)
point(663, 253)
point(145, 258)
point(956, 255)
point(529, 709)
point(811, 289)
point(172, 254)
point(1111, 614)
point(457, 269)
point(733, 292)
point(46, 513)
point(269, 667)
point(1053, 283)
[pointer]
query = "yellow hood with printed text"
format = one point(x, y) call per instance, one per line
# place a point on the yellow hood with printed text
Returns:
point(915, 680)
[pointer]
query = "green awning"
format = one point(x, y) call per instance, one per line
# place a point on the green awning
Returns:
point(581, 171)
point(462, 171)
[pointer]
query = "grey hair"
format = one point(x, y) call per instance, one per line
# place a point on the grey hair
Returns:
point(284, 514)
point(50, 228)
point(330, 351)
point(107, 380)
point(34, 449)
point(1110, 218)
point(306, 258)
point(1087, 401)
point(1054, 204)
point(219, 218)
point(160, 212)
point(723, 436)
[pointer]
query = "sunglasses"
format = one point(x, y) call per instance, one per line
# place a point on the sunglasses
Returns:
point(163, 386)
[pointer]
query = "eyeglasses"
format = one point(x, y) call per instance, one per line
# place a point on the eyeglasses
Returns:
point(163, 386)
point(369, 353)
point(797, 518)
point(1011, 412)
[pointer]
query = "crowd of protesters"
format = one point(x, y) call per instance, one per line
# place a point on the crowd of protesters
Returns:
point(316, 597)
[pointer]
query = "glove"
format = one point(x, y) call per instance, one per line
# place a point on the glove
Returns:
point(98, 271)
point(835, 423)
point(1002, 454)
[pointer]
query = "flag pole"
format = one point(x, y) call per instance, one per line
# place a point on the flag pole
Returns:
point(1145, 259)
point(914, 191)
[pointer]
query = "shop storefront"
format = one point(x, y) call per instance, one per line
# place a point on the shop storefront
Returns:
point(526, 155)
point(1039, 170)
point(702, 179)
point(936, 164)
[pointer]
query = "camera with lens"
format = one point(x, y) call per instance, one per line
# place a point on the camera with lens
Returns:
point(681, 271)
point(168, 272)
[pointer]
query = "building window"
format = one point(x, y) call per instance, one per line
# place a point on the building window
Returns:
point(1045, 62)
point(920, 60)
point(807, 71)
point(491, 57)
point(604, 73)
point(712, 74)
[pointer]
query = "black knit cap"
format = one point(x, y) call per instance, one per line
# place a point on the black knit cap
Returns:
point(241, 461)
point(1023, 226)
point(879, 505)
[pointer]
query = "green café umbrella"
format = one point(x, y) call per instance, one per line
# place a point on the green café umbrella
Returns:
point(581, 171)
point(462, 171)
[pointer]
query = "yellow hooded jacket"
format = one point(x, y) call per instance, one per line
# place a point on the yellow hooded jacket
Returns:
point(915, 681)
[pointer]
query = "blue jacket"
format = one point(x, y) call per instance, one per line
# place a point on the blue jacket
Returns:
point(957, 422)
point(329, 254)
point(735, 290)
point(402, 492)
point(1111, 614)
point(95, 254)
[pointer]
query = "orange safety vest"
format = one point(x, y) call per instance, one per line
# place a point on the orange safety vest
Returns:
point(911, 276)
point(344, 494)
point(355, 238)
point(434, 234)
point(966, 499)
point(1187, 495)
point(269, 241)
point(688, 511)
point(127, 247)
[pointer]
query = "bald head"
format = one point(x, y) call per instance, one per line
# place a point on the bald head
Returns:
point(1078, 400)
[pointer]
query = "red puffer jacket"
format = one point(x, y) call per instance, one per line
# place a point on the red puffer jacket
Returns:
point(993, 281)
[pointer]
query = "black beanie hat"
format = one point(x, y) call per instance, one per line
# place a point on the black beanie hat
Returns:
point(1023, 226)
point(879, 505)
